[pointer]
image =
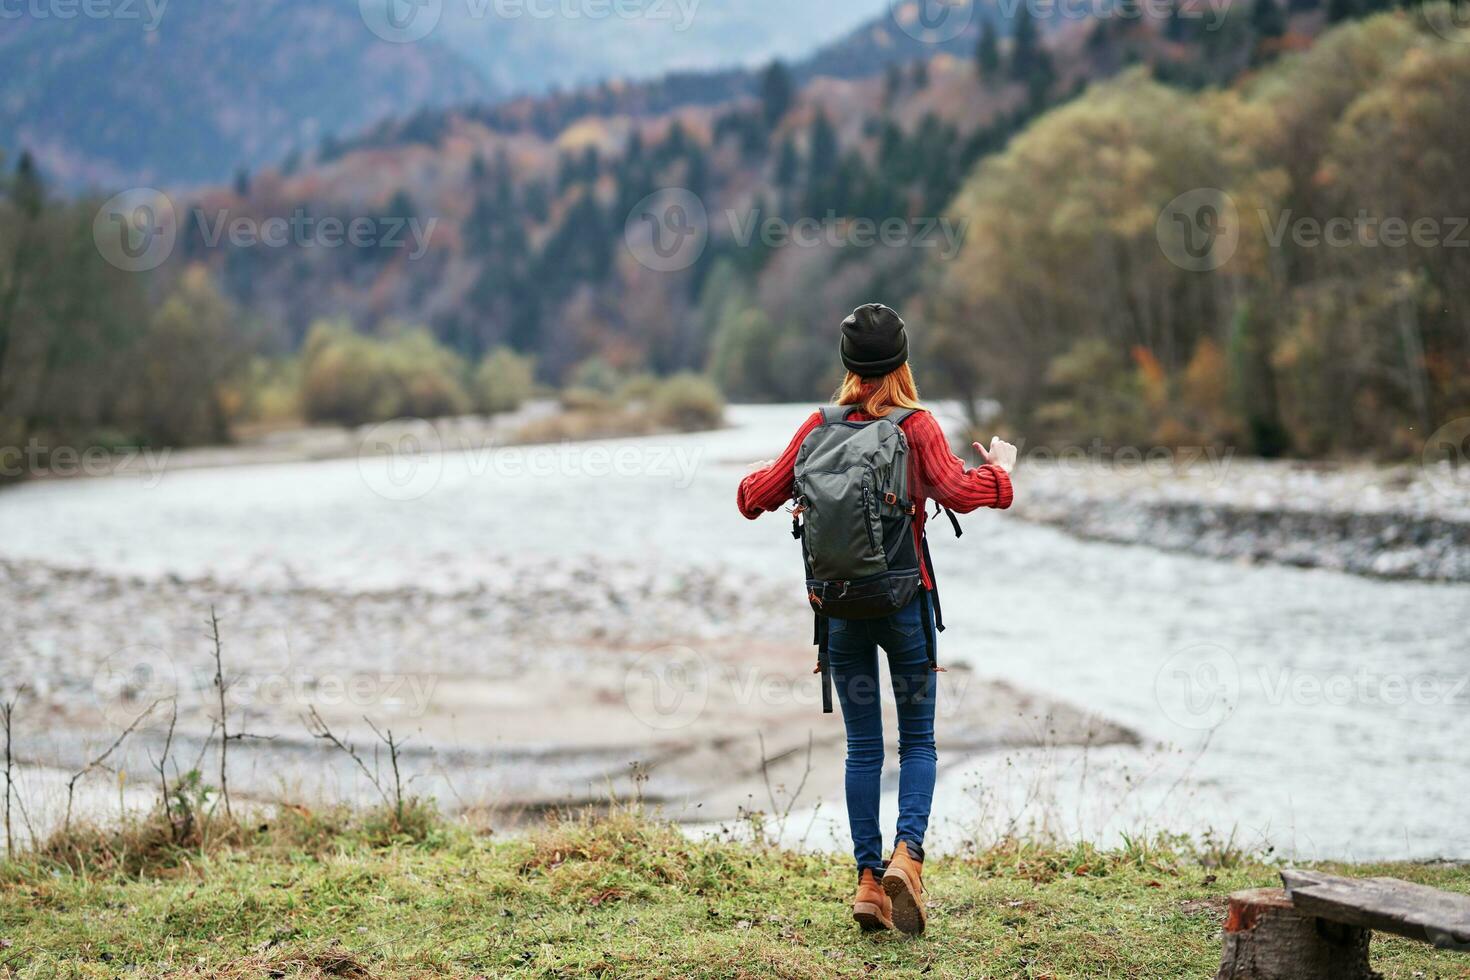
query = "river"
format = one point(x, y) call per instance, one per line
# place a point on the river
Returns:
point(1324, 715)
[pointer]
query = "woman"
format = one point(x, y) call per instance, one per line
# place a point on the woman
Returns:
point(878, 382)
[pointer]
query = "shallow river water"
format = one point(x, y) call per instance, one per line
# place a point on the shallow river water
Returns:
point(1324, 714)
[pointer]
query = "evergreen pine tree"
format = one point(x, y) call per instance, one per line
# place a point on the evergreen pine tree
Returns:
point(27, 190)
point(788, 165)
point(1025, 45)
point(987, 51)
point(1267, 19)
point(777, 93)
point(892, 84)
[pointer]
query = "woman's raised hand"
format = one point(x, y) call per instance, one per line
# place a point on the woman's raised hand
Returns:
point(1000, 453)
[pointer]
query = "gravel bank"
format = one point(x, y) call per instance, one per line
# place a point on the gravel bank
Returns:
point(554, 684)
point(1401, 522)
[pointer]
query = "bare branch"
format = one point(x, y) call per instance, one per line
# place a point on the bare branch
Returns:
point(319, 729)
point(393, 747)
point(101, 761)
point(7, 713)
point(161, 766)
point(224, 717)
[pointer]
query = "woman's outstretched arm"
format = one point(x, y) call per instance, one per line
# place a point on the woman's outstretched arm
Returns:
point(944, 476)
point(769, 487)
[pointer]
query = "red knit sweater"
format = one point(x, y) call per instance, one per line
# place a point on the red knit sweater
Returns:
point(935, 473)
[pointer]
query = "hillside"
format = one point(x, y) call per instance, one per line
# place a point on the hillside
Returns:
point(211, 87)
point(187, 91)
point(531, 203)
point(1022, 203)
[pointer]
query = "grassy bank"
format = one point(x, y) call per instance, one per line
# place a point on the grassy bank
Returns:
point(619, 896)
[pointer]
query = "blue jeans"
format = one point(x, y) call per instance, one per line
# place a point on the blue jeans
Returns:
point(852, 651)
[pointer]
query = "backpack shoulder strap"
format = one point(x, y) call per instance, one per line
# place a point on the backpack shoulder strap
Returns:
point(835, 413)
point(898, 415)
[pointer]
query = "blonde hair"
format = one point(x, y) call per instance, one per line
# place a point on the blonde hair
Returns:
point(879, 396)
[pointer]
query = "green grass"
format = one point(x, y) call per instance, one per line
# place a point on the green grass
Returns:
point(615, 896)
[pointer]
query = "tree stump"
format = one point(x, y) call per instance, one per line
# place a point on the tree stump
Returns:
point(1266, 938)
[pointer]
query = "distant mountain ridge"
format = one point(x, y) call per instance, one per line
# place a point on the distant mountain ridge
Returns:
point(188, 91)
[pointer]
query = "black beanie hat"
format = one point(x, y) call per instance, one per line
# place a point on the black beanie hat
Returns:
point(874, 341)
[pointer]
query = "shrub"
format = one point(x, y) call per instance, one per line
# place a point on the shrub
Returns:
point(687, 402)
point(350, 379)
point(503, 381)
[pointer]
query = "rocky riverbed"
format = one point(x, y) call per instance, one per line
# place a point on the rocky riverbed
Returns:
point(1402, 521)
point(557, 683)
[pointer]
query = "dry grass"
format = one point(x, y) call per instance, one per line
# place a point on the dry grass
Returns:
point(331, 895)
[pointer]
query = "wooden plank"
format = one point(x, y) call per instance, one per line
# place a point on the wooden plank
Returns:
point(1385, 904)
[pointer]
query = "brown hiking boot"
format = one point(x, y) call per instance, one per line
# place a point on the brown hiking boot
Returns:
point(902, 881)
point(871, 908)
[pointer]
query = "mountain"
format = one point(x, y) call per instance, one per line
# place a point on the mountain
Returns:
point(202, 87)
point(181, 92)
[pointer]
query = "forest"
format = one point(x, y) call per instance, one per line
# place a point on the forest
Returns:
point(1315, 151)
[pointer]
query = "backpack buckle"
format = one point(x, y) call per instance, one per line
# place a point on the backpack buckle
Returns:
point(891, 499)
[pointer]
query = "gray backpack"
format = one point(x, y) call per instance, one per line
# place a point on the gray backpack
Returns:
point(855, 520)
